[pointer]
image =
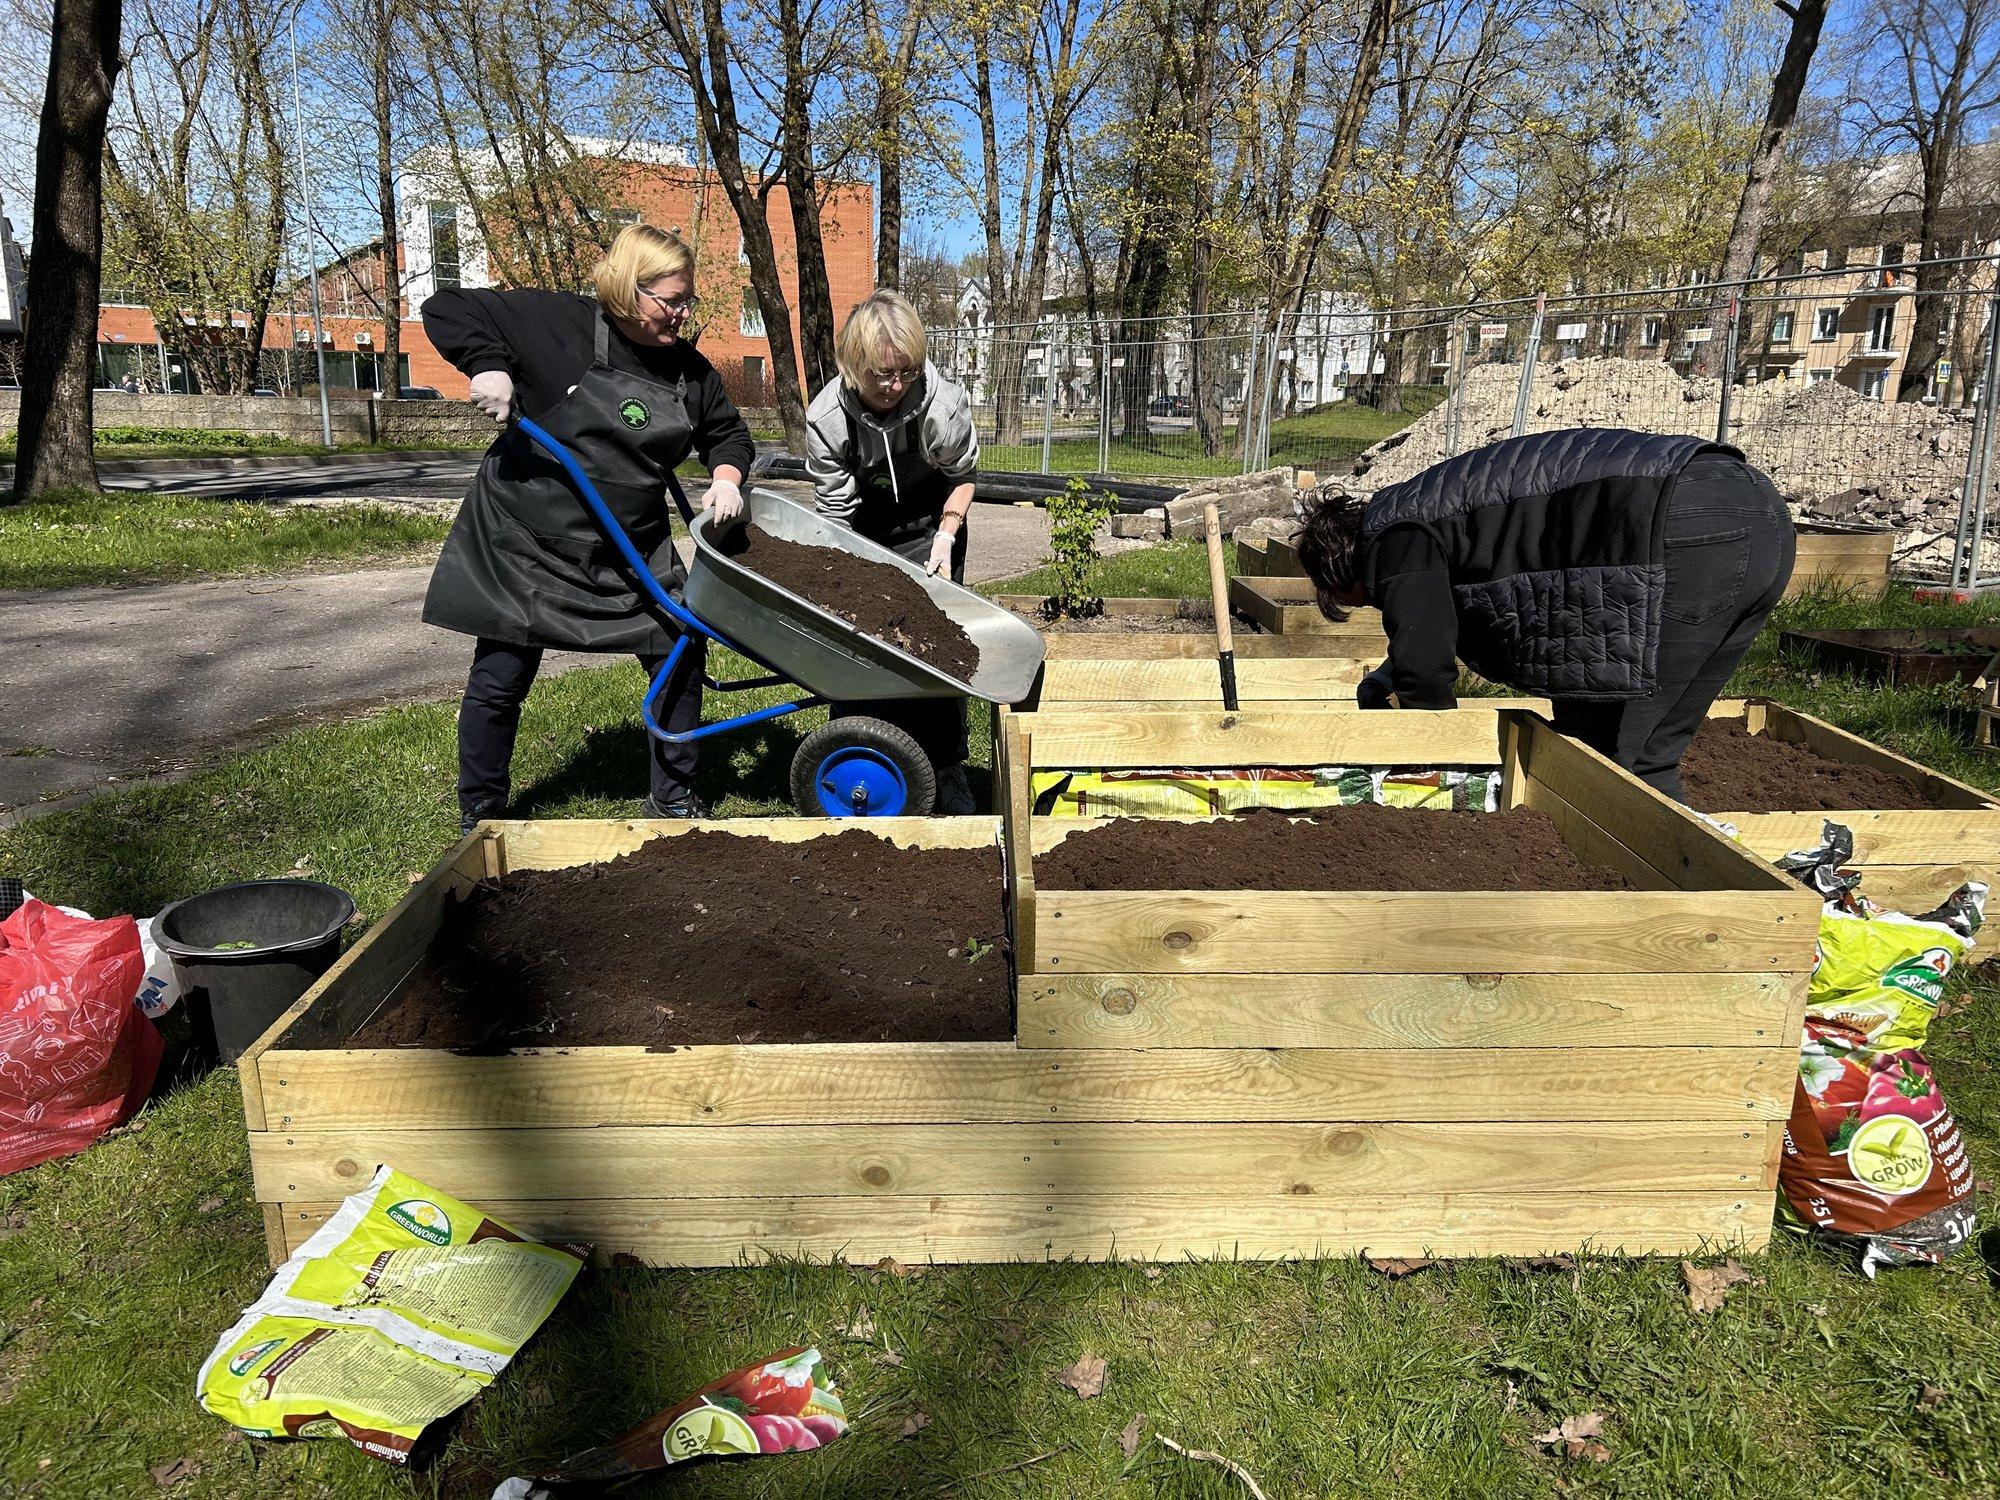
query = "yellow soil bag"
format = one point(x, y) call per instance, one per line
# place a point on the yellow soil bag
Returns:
point(1208, 793)
point(401, 1308)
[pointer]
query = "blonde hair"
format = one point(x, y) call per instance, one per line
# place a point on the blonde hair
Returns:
point(886, 323)
point(641, 253)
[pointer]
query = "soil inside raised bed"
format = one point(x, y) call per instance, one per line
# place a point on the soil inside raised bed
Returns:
point(1366, 847)
point(710, 937)
point(876, 599)
point(1729, 769)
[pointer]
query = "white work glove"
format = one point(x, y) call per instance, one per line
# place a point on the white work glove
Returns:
point(493, 393)
point(940, 563)
point(724, 501)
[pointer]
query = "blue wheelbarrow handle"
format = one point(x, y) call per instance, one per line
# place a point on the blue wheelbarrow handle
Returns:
point(677, 612)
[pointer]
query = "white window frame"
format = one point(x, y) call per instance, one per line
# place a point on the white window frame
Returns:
point(1782, 326)
point(1826, 328)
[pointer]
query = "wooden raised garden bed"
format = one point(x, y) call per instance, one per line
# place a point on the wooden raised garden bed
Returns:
point(1903, 657)
point(1284, 606)
point(1268, 557)
point(1463, 1073)
point(1846, 559)
point(1912, 855)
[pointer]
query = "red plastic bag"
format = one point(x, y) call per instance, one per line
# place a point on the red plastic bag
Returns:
point(76, 1055)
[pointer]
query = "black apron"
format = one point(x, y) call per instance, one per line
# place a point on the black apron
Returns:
point(904, 518)
point(525, 562)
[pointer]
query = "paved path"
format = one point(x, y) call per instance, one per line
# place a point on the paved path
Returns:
point(107, 684)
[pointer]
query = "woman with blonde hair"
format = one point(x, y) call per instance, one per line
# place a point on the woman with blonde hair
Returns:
point(617, 380)
point(891, 449)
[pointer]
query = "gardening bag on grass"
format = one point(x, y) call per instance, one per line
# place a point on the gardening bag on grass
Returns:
point(76, 1055)
point(1141, 793)
point(1873, 1158)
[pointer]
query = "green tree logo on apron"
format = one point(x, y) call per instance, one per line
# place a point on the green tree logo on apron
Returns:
point(633, 413)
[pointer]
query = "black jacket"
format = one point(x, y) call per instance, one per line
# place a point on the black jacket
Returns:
point(1539, 561)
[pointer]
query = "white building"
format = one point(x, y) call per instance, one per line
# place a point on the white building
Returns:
point(13, 277)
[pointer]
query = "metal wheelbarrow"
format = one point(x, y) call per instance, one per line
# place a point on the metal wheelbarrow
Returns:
point(856, 766)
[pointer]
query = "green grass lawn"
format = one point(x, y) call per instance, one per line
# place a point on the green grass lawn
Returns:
point(1327, 438)
point(1173, 570)
point(119, 1267)
point(141, 538)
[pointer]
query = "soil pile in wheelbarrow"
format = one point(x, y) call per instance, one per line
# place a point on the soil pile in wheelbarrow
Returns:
point(1365, 847)
point(711, 937)
point(876, 599)
point(1729, 769)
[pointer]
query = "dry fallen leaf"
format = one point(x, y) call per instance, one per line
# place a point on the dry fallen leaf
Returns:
point(167, 1475)
point(888, 1265)
point(915, 1423)
point(1397, 1267)
point(890, 1358)
point(1930, 1398)
point(863, 1326)
point(1085, 1377)
point(538, 1396)
point(1128, 1440)
point(1153, 1273)
point(208, 1205)
point(1708, 1286)
point(1578, 1436)
point(1542, 1263)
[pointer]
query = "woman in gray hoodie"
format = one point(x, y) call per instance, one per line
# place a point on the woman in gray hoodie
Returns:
point(891, 448)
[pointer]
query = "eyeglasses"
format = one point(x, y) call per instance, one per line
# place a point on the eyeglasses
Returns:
point(896, 377)
point(680, 307)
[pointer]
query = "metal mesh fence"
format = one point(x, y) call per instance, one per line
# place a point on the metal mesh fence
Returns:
point(1865, 399)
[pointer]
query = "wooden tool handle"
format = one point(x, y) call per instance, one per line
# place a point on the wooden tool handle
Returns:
point(1218, 588)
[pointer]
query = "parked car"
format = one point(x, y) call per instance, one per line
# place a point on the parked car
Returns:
point(1170, 406)
point(419, 393)
point(263, 390)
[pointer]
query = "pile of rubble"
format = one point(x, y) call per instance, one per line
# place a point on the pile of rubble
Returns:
point(1836, 454)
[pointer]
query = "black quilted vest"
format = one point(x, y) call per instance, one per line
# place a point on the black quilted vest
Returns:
point(1556, 546)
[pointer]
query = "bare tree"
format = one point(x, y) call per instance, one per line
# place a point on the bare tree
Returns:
point(1746, 231)
point(55, 450)
point(1931, 80)
point(195, 201)
point(891, 60)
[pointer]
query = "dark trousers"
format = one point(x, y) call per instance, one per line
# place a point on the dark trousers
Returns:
point(1730, 547)
point(490, 716)
point(936, 724)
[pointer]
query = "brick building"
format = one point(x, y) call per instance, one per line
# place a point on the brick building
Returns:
point(440, 247)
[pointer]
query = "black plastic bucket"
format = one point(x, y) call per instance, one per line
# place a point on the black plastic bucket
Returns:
point(244, 953)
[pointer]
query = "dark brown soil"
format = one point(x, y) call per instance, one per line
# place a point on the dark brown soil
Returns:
point(874, 598)
point(1729, 769)
point(1365, 847)
point(714, 937)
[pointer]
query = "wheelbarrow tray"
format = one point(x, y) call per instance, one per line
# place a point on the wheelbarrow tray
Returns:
point(826, 655)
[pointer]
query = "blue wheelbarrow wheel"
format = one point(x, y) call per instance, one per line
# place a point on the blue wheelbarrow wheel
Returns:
point(862, 768)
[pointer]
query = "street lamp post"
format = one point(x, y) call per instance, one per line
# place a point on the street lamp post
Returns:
point(312, 259)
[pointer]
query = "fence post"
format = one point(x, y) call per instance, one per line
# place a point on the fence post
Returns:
point(1972, 500)
point(1526, 392)
point(1985, 442)
point(1246, 417)
point(1728, 375)
point(1454, 395)
point(1048, 397)
point(1104, 408)
point(1273, 358)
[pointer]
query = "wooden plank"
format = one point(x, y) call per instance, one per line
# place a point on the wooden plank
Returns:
point(1196, 682)
point(996, 1082)
point(1124, 1226)
point(1252, 557)
point(1690, 853)
point(1063, 1160)
point(1111, 645)
point(1423, 932)
point(1403, 1010)
point(1292, 736)
point(548, 844)
point(1590, 842)
point(1890, 837)
point(1790, 725)
point(366, 975)
point(1017, 785)
point(1917, 889)
point(1286, 606)
point(275, 1248)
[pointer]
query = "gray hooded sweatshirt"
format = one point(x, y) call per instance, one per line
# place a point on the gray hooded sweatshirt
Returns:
point(880, 473)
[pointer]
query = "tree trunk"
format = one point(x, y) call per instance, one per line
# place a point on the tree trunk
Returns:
point(892, 94)
point(802, 191)
point(1754, 205)
point(385, 194)
point(55, 440)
